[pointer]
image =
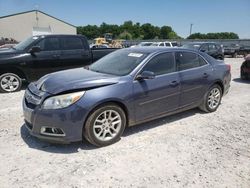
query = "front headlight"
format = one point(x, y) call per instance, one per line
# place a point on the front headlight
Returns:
point(62, 101)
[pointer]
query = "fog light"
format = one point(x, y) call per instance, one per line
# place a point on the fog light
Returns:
point(52, 131)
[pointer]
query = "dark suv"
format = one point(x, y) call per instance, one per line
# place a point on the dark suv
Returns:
point(211, 48)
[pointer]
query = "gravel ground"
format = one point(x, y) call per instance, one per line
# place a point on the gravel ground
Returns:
point(189, 149)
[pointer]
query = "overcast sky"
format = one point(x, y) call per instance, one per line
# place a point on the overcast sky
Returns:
point(205, 15)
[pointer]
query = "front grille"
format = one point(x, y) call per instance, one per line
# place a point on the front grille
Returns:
point(30, 105)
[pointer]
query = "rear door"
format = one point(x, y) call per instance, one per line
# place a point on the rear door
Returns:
point(75, 53)
point(195, 77)
point(159, 95)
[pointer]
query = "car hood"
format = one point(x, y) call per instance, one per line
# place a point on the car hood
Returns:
point(8, 51)
point(74, 79)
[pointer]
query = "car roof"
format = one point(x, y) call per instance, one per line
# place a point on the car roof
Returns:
point(202, 43)
point(59, 35)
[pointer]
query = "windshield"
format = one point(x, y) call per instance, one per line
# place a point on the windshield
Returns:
point(192, 46)
point(120, 62)
point(22, 45)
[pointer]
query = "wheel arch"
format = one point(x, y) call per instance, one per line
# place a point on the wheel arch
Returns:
point(106, 102)
point(14, 70)
point(220, 83)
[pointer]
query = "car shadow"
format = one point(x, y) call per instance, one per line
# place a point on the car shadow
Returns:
point(161, 121)
point(38, 144)
point(239, 80)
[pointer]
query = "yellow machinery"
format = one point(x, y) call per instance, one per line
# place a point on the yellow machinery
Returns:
point(107, 39)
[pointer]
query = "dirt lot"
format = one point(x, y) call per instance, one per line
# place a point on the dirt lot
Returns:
point(190, 149)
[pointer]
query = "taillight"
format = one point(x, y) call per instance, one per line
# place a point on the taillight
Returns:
point(229, 67)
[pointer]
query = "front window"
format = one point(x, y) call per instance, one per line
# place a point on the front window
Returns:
point(24, 44)
point(120, 62)
point(161, 64)
point(49, 44)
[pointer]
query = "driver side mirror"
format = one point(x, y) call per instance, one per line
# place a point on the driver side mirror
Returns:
point(35, 49)
point(145, 75)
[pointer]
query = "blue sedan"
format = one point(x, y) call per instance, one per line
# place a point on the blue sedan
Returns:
point(125, 88)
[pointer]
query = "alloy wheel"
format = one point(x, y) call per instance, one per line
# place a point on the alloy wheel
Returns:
point(107, 125)
point(9, 83)
point(214, 98)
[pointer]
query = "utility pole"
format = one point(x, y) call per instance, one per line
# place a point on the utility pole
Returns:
point(37, 19)
point(191, 27)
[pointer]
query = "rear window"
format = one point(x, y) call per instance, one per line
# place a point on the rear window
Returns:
point(72, 43)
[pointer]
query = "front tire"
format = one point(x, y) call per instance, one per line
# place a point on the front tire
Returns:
point(105, 125)
point(212, 99)
point(10, 82)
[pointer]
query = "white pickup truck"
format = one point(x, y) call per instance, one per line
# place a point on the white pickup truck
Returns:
point(165, 44)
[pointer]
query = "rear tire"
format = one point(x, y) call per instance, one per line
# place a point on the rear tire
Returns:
point(10, 82)
point(212, 99)
point(105, 125)
point(243, 75)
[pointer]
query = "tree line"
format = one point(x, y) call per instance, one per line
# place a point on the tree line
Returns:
point(129, 31)
point(222, 35)
point(136, 31)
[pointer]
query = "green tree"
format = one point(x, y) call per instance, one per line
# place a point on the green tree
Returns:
point(128, 30)
point(221, 35)
point(125, 35)
point(165, 31)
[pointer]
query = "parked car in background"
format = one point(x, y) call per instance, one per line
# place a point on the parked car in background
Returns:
point(124, 88)
point(213, 49)
point(232, 50)
point(93, 46)
point(245, 69)
point(165, 44)
point(141, 44)
point(6, 46)
point(244, 50)
point(40, 55)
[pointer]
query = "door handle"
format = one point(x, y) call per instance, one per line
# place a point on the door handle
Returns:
point(174, 83)
point(205, 75)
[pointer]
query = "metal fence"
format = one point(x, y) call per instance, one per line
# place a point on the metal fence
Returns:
point(224, 42)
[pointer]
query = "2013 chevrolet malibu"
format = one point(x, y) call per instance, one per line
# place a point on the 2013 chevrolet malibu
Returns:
point(124, 88)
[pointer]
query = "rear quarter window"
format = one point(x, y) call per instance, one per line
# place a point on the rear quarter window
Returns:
point(187, 60)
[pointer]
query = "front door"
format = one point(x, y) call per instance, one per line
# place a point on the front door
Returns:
point(157, 96)
point(48, 59)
